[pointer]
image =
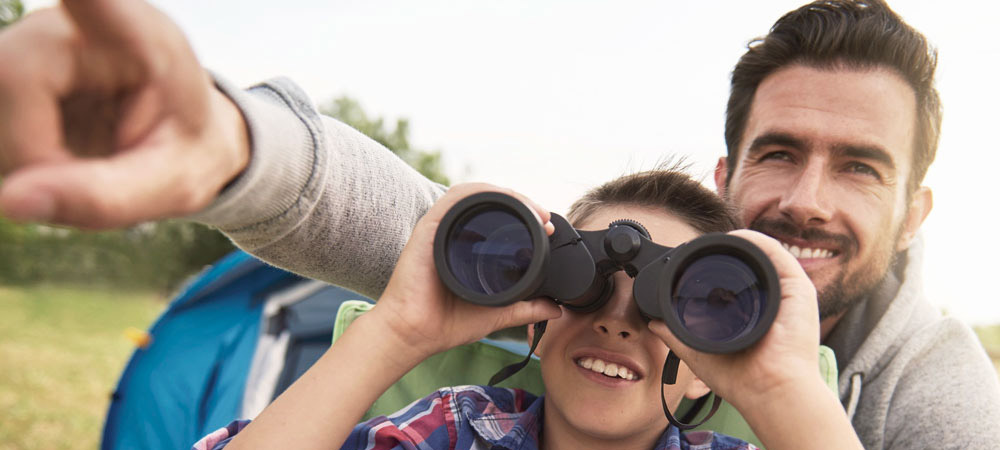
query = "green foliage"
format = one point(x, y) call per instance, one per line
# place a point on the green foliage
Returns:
point(396, 139)
point(154, 255)
point(990, 337)
point(10, 11)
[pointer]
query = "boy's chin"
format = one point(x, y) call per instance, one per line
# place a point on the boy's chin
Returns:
point(614, 421)
point(619, 428)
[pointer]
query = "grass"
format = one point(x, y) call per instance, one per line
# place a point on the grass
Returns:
point(61, 351)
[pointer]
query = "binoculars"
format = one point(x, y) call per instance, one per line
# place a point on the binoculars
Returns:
point(717, 293)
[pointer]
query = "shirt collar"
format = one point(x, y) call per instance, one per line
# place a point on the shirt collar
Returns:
point(519, 431)
point(510, 431)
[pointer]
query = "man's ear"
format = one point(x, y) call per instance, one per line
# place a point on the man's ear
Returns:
point(696, 388)
point(920, 206)
point(531, 338)
point(721, 173)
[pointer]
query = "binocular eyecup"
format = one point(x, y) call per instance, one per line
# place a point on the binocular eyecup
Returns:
point(717, 293)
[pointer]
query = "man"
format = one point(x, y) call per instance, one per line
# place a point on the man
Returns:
point(824, 157)
point(832, 122)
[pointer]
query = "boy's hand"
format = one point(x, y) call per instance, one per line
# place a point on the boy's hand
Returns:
point(788, 353)
point(107, 118)
point(424, 314)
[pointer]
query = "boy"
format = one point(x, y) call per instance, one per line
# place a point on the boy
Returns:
point(601, 370)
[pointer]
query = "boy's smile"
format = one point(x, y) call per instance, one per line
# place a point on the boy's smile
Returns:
point(602, 369)
point(608, 366)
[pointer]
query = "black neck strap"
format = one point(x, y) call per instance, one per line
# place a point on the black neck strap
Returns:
point(670, 367)
point(506, 372)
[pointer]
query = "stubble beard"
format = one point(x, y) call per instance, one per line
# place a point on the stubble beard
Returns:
point(848, 288)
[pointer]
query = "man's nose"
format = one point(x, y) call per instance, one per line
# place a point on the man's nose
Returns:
point(806, 200)
point(620, 317)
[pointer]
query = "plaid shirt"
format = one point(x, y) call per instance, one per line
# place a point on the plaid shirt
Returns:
point(472, 417)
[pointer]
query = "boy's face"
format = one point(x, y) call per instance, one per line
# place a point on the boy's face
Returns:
point(583, 403)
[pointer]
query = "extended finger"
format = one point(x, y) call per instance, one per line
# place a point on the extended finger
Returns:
point(31, 89)
point(128, 27)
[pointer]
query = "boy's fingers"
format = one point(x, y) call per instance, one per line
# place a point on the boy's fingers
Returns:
point(523, 313)
point(661, 330)
point(463, 190)
point(786, 264)
point(793, 279)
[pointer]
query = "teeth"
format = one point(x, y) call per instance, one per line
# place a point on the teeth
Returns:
point(608, 369)
point(807, 253)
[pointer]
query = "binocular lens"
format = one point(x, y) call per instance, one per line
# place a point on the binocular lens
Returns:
point(718, 298)
point(489, 251)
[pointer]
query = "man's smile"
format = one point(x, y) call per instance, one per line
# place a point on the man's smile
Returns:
point(810, 253)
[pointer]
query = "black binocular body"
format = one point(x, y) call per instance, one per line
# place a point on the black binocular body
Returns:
point(717, 293)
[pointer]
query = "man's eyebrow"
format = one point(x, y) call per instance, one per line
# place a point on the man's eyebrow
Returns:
point(868, 152)
point(778, 139)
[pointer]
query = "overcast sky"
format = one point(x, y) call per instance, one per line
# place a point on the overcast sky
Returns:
point(553, 97)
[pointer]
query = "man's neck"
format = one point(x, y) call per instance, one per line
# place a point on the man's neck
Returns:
point(826, 325)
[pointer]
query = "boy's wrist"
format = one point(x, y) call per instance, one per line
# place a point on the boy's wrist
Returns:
point(402, 349)
point(794, 391)
point(792, 414)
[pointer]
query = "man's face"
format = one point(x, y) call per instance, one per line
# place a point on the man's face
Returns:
point(822, 167)
point(619, 410)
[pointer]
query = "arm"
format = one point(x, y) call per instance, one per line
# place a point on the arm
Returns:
point(945, 394)
point(112, 121)
point(774, 383)
point(318, 197)
point(416, 317)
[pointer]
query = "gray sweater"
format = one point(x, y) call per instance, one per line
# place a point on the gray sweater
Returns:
point(322, 200)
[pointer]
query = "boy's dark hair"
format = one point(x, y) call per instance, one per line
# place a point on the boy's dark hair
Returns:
point(665, 188)
point(856, 34)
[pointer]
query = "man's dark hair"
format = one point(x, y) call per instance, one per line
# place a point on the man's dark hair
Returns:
point(827, 34)
point(667, 189)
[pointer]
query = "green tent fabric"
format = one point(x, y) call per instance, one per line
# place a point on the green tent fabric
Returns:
point(475, 363)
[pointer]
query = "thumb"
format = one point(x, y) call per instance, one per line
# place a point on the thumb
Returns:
point(685, 353)
point(97, 193)
point(523, 313)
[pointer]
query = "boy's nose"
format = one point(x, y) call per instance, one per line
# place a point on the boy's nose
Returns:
point(620, 317)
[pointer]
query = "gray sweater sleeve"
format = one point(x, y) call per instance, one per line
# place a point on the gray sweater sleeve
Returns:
point(318, 198)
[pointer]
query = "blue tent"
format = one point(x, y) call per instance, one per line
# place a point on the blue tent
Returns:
point(234, 339)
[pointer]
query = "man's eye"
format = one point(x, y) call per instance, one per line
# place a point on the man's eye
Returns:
point(776, 156)
point(863, 169)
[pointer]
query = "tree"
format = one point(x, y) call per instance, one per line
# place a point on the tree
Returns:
point(397, 140)
point(10, 11)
